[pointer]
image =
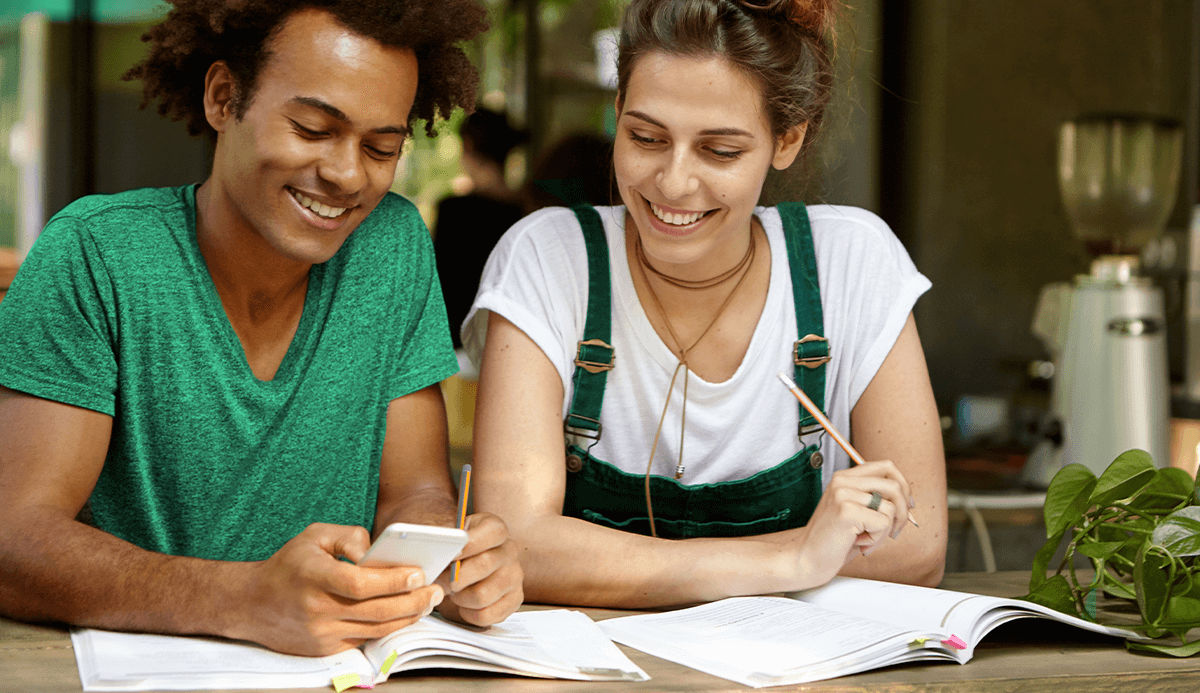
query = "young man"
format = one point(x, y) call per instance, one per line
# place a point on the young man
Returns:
point(242, 376)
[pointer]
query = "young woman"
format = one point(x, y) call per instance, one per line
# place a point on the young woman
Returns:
point(650, 336)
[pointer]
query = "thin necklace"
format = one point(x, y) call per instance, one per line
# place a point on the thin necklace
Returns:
point(683, 357)
point(696, 284)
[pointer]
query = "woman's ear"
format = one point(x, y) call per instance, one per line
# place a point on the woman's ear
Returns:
point(218, 95)
point(788, 146)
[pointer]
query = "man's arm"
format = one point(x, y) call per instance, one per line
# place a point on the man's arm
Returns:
point(415, 486)
point(302, 600)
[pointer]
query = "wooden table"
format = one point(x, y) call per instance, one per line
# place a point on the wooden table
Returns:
point(1027, 656)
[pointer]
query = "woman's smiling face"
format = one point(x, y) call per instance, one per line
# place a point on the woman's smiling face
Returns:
point(691, 154)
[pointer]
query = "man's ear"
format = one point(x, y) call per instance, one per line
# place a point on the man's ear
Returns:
point(219, 91)
point(788, 146)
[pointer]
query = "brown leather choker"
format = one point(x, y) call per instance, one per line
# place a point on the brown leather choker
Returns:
point(698, 283)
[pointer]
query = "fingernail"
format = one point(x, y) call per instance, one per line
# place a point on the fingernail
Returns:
point(416, 580)
point(867, 551)
point(438, 596)
point(911, 502)
point(896, 534)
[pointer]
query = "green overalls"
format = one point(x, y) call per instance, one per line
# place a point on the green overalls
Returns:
point(775, 499)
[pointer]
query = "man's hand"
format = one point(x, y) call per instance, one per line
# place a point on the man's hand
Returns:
point(488, 588)
point(304, 600)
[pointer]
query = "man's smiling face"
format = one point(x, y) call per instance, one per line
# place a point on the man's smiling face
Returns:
point(317, 146)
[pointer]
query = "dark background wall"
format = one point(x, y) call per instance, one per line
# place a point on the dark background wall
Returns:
point(979, 90)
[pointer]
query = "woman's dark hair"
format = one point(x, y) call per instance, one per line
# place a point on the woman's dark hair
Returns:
point(488, 134)
point(197, 33)
point(781, 44)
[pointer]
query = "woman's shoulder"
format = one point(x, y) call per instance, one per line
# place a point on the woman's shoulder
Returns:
point(554, 228)
point(847, 219)
point(839, 228)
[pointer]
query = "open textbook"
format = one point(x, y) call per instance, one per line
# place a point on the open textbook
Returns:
point(845, 627)
point(545, 644)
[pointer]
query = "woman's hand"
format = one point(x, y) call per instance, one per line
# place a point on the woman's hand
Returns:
point(843, 525)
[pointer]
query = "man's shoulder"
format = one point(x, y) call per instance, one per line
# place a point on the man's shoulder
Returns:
point(130, 204)
point(123, 217)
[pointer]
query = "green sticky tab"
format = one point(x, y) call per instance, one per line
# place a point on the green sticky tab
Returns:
point(387, 663)
point(341, 683)
point(1089, 605)
point(918, 642)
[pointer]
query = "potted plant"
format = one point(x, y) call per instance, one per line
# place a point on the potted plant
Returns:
point(1140, 528)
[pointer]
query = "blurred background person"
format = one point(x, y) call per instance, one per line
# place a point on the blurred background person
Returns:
point(467, 226)
point(578, 168)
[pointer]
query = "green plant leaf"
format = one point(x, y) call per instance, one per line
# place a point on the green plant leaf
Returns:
point(1151, 583)
point(1169, 488)
point(1119, 589)
point(1041, 561)
point(1127, 474)
point(1188, 650)
point(1067, 497)
point(1099, 550)
point(1179, 532)
point(1055, 593)
point(1182, 611)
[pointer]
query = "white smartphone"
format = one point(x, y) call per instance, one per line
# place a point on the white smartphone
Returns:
point(427, 547)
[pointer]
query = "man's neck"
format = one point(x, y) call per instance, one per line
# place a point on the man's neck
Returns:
point(254, 283)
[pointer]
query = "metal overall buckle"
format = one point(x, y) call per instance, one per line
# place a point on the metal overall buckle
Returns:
point(591, 361)
point(575, 462)
point(810, 361)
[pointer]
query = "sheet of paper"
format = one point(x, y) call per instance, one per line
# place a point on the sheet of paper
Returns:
point(111, 661)
point(557, 640)
point(747, 637)
point(907, 606)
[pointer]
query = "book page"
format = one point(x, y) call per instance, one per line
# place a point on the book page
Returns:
point(906, 606)
point(751, 639)
point(968, 616)
point(112, 661)
point(554, 641)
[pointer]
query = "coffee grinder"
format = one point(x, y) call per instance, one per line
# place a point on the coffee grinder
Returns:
point(1106, 330)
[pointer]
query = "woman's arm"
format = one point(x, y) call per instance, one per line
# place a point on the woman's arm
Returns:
point(521, 476)
point(896, 419)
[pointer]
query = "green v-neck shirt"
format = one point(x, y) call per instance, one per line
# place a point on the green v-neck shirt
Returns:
point(114, 310)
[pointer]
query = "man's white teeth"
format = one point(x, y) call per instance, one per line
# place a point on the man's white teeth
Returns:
point(321, 209)
point(675, 219)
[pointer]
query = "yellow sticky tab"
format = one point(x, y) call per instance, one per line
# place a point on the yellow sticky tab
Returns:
point(387, 663)
point(341, 683)
point(918, 642)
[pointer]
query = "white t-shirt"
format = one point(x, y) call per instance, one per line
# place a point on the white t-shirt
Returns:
point(537, 278)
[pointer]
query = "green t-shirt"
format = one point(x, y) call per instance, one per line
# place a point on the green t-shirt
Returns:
point(114, 310)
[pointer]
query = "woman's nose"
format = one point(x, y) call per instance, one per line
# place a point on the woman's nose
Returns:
point(676, 178)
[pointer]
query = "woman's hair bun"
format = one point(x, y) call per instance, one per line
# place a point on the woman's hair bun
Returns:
point(814, 16)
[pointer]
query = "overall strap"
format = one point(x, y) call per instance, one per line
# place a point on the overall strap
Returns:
point(594, 356)
point(810, 353)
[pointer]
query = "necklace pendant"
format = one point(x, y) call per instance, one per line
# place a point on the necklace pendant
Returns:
point(679, 472)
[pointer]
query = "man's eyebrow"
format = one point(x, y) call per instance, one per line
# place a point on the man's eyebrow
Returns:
point(710, 132)
point(338, 114)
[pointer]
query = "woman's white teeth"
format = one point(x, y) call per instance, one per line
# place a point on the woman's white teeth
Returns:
point(675, 219)
point(321, 209)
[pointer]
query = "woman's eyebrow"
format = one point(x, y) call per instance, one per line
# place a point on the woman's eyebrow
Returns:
point(718, 132)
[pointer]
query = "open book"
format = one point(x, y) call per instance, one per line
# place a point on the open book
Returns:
point(845, 627)
point(545, 644)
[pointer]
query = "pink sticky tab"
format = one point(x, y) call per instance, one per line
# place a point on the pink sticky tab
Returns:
point(955, 642)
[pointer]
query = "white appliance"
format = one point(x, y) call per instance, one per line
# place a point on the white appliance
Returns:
point(1106, 331)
